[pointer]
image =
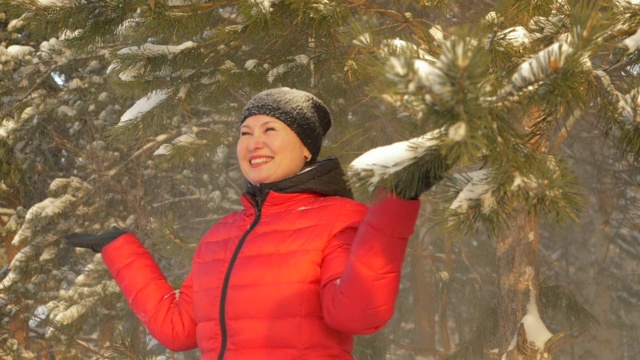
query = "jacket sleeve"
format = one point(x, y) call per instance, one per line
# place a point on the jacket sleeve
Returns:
point(167, 313)
point(362, 266)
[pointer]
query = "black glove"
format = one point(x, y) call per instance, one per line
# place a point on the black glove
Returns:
point(91, 241)
point(421, 176)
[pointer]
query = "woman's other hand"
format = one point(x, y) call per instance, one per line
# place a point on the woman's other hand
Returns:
point(92, 241)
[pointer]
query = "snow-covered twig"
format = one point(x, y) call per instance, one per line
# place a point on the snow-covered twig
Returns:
point(535, 70)
point(401, 47)
point(63, 193)
point(147, 50)
point(433, 80)
point(180, 140)
point(632, 43)
point(417, 75)
point(144, 105)
point(477, 189)
point(298, 61)
point(627, 105)
point(50, 206)
point(156, 50)
point(87, 290)
point(377, 164)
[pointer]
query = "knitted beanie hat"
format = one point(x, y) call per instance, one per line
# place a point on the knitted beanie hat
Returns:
point(301, 111)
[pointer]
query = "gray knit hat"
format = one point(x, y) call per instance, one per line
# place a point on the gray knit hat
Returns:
point(301, 111)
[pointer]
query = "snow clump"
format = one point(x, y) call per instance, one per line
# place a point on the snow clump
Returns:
point(383, 161)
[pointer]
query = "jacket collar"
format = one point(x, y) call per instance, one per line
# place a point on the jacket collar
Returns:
point(325, 177)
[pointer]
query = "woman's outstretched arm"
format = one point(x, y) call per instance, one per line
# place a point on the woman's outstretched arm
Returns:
point(167, 313)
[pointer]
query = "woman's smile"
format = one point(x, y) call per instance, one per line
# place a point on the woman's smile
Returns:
point(259, 160)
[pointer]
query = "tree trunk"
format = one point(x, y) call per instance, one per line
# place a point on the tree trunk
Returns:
point(518, 300)
point(12, 200)
point(18, 326)
point(601, 344)
point(517, 261)
point(423, 280)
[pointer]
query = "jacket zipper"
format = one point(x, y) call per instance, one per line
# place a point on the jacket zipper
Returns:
point(227, 276)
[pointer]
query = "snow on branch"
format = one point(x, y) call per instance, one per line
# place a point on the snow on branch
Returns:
point(433, 79)
point(185, 139)
point(21, 260)
point(625, 3)
point(19, 51)
point(517, 36)
point(298, 61)
point(537, 69)
point(401, 47)
point(149, 49)
point(88, 289)
point(63, 192)
point(41, 212)
point(418, 75)
point(632, 43)
point(477, 189)
point(379, 163)
point(263, 6)
point(144, 105)
point(7, 126)
point(57, 3)
point(545, 27)
point(145, 51)
point(627, 105)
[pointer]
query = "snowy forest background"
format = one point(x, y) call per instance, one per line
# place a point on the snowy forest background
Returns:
point(125, 112)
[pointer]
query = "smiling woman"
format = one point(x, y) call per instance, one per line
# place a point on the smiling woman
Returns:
point(302, 112)
point(268, 150)
point(296, 273)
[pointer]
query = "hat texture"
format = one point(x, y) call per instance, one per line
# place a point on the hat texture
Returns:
point(301, 111)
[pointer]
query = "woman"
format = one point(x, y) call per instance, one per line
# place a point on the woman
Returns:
point(293, 275)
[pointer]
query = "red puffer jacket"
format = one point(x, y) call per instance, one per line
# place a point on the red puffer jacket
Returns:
point(292, 276)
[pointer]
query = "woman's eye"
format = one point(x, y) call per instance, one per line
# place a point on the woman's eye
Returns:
point(269, 129)
point(243, 133)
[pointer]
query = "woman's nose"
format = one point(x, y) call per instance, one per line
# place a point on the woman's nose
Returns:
point(256, 142)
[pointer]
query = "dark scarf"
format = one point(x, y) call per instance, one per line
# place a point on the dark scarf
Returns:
point(325, 177)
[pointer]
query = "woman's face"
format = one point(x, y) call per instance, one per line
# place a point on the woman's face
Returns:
point(268, 150)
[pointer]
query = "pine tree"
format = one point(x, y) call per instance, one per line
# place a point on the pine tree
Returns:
point(125, 113)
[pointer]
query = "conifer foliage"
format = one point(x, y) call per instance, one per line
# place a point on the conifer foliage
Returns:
point(125, 113)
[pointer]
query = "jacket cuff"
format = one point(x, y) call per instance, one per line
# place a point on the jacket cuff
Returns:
point(394, 214)
point(125, 249)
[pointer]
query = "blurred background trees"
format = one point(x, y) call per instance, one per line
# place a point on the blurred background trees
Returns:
point(125, 112)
